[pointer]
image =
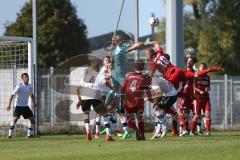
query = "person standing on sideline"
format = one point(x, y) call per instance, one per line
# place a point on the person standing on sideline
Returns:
point(22, 92)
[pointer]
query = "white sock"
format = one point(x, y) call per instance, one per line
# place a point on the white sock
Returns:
point(11, 128)
point(30, 129)
point(98, 119)
point(87, 126)
point(107, 125)
point(124, 124)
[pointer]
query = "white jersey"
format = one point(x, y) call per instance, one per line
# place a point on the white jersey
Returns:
point(163, 86)
point(104, 72)
point(87, 88)
point(22, 92)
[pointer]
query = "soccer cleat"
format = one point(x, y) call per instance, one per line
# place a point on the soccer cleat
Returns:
point(208, 133)
point(97, 135)
point(191, 134)
point(126, 135)
point(138, 135)
point(30, 136)
point(184, 133)
point(9, 137)
point(175, 134)
point(104, 132)
point(89, 136)
point(109, 138)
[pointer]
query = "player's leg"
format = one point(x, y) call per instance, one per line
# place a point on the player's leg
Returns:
point(208, 117)
point(114, 124)
point(196, 117)
point(28, 114)
point(161, 127)
point(182, 117)
point(98, 122)
point(141, 123)
point(16, 116)
point(86, 105)
point(172, 111)
point(107, 128)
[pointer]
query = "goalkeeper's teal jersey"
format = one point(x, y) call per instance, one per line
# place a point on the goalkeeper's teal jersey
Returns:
point(120, 57)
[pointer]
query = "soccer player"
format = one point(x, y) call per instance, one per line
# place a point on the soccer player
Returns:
point(164, 98)
point(90, 94)
point(134, 87)
point(118, 74)
point(22, 92)
point(201, 88)
point(186, 101)
point(173, 74)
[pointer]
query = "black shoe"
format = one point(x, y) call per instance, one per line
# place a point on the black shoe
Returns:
point(31, 136)
point(138, 135)
point(9, 137)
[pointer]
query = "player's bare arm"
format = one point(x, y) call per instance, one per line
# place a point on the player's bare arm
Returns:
point(10, 102)
point(79, 97)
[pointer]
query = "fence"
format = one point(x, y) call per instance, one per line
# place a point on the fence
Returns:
point(59, 108)
point(56, 101)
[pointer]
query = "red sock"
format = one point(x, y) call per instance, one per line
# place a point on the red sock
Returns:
point(183, 122)
point(194, 123)
point(208, 124)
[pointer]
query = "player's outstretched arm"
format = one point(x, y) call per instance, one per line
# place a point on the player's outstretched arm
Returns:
point(10, 102)
point(210, 69)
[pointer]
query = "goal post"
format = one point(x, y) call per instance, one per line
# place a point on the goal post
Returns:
point(16, 57)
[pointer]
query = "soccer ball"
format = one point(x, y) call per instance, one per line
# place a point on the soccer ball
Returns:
point(154, 21)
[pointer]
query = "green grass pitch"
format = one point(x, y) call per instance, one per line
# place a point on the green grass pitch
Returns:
point(218, 146)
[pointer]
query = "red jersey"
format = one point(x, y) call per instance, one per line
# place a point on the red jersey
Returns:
point(134, 86)
point(165, 67)
point(202, 83)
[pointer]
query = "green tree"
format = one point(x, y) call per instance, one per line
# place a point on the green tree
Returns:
point(61, 34)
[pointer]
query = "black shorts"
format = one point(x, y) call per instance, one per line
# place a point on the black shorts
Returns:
point(26, 112)
point(86, 104)
point(166, 102)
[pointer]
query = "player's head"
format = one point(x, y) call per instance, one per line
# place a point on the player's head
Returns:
point(202, 66)
point(95, 66)
point(189, 62)
point(139, 65)
point(150, 53)
point(166, 56)
point(25, 77)
point(117, 39)
point(106, 60)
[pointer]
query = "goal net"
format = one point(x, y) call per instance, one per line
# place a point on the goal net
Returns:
point(16, 57)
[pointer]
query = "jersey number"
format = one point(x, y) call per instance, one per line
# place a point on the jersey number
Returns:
point(133, 86)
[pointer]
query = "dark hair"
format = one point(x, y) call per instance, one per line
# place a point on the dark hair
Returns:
point(94, 64)
point(139, 65)
point(204, 64)
point(166, 56)
point(108, 57)
point(24, 74)
point(193, 58)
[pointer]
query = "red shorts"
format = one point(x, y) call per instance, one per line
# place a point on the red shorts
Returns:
point(185, 103)
point(205, 105)
point(134, 108)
